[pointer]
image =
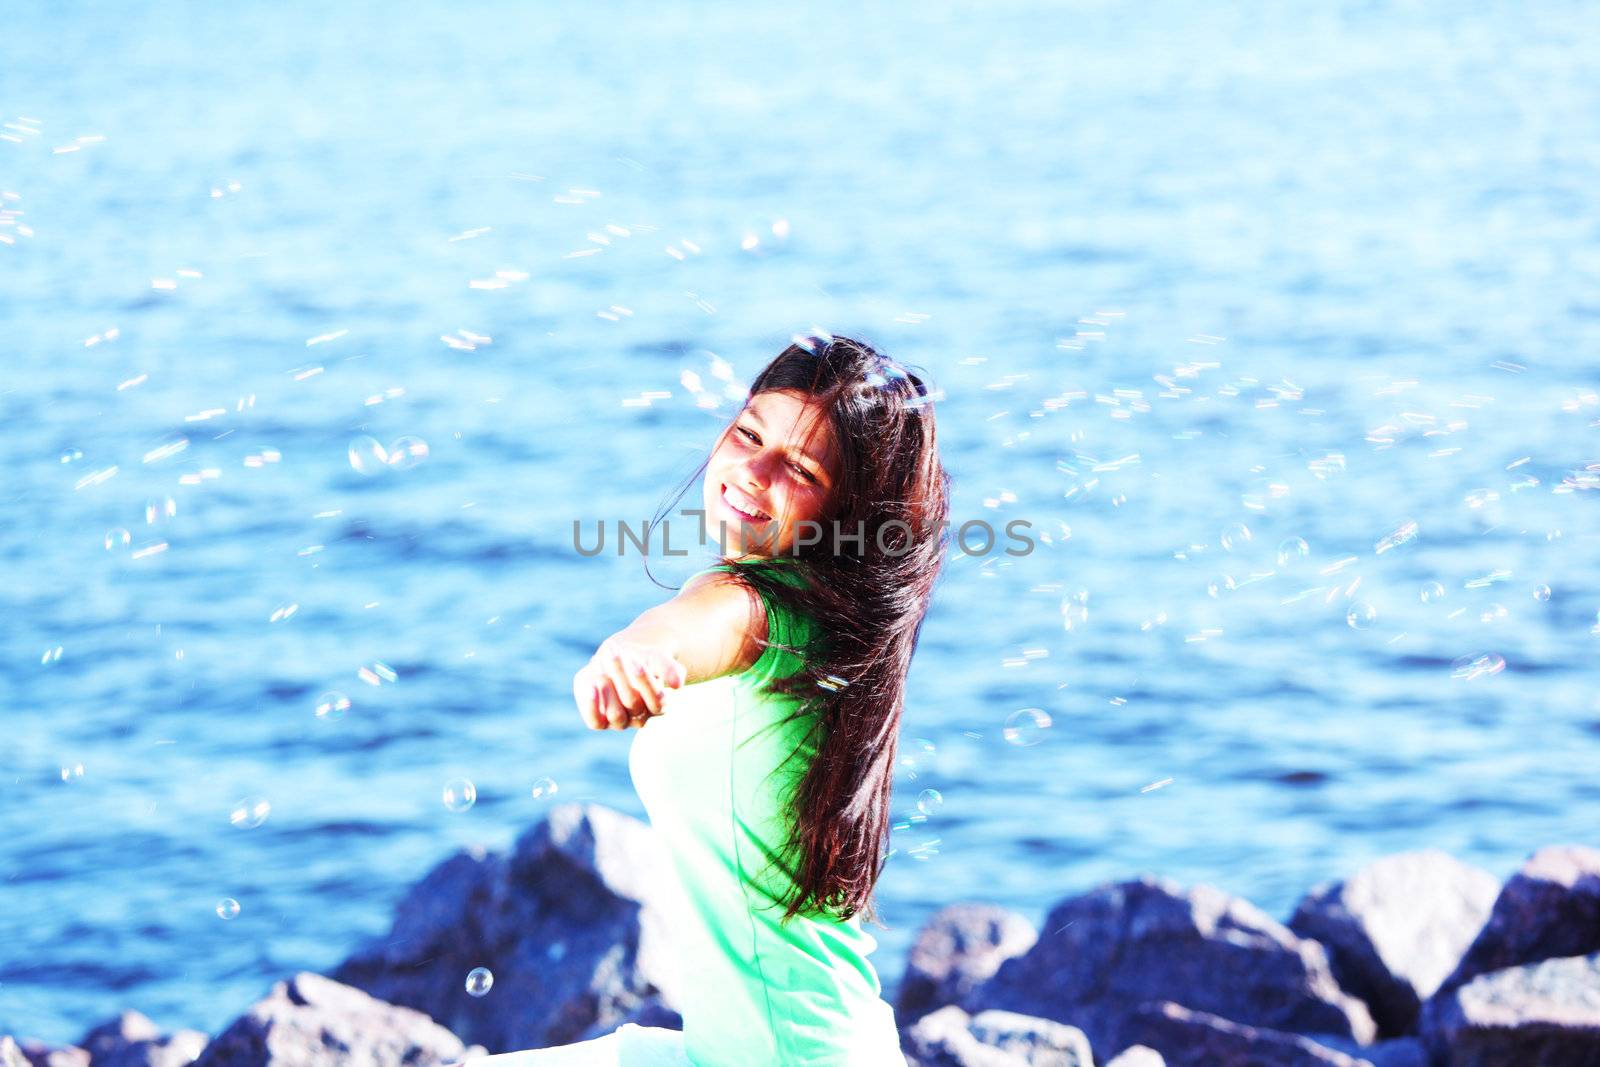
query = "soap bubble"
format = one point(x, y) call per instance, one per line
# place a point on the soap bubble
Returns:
point(159, 510)
point(929, 801)
point(227, 908)
point(1222, 583)
point(544, 787)
point(1235, 535)
point(332, 705)
point(460, 794)
point(1292, 551)
point(1360, 616)
point(1431, 591)
point(71, 455)
point(917, 755)
point(479, 981)
point(1541, 592)
point(368, 456)
point(1493, 613)
point(406, 452)
point(117, 538)
point(1026, 726)
point(250, 812)
point(72, 772)
point(1477, 665)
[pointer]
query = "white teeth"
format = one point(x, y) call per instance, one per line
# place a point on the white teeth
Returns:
point(747, 511)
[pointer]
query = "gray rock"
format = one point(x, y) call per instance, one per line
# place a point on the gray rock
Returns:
point(1200, 1039)
point(1397, 928)
point(1119, 946)
point(10, 1054)
point(1544, 1014)
point(950, 1037)
point(312, 1021)
point(38, 1054)
point(1138, 1056)
point(1036, 1042)
point(1400, 1052)
point(1548, 909)
point(132, 1040)
point(570, 925)
point(955, 951)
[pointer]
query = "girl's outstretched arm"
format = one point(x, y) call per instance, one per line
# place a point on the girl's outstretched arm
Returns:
point(714, 626)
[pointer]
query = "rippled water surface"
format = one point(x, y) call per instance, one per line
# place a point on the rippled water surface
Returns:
point(1195, 285)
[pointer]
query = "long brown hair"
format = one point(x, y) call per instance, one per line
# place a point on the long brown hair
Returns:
point(867, 603)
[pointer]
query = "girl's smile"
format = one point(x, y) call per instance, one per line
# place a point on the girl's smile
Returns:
point(773, 468)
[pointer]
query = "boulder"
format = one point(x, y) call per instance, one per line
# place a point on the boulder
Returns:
point(1187, 1038)
point(1105, 953)
point(1397, 928)
point(1548, 909)
point(1138, 1056)
point(1544, 1014)
point(571, 925)
point(949, 1037)
point(38, 1054)
point(312, 1021)
point(1397, 1052)
point(132, 1040)
point(961, 946)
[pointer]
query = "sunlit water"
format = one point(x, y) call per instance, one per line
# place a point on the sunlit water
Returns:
point(1195, 286)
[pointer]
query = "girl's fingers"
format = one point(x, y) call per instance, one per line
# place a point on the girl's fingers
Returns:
point(619, 671)
point(612, 712)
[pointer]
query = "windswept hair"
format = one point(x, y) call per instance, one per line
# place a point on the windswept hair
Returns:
point(867, 603)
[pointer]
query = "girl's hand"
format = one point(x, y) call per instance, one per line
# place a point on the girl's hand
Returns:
point(624, 684)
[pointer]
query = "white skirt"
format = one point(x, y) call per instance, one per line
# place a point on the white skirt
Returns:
point(628, 1045)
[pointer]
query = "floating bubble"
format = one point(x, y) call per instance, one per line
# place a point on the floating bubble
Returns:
point(159, 510)
point(460, 794)
point(1026, 726)
point(1235, 535)
point(1541, 592)
point(1405, 533)
point(117, 539)
point(1360, 616)
point(1222, 583)
point(1477, 665)
point(1292, 550)
point(377, 673)
point(929, 801)
point(72, 772)
point(71, 455)
point(1493, 613)
point(332, 705)
point(227, 908)
point(406, 452)
point(1431, 592)
point(368, 456)
point(250, 812)
point(479, 981)
point(917, 755)
point(544, 787)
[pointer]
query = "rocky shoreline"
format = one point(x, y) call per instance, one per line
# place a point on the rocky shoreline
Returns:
point(1417, 960)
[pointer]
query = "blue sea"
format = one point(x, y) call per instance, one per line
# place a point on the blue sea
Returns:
point(1279, 325)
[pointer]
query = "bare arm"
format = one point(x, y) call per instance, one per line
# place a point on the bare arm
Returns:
point(713, 627)
point(707, 627)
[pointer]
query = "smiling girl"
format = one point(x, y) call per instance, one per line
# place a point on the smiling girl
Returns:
point(768, 694)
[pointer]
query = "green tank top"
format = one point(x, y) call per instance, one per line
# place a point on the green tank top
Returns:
point(711, 773)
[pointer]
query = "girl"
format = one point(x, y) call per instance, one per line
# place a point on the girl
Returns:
point(768, 694)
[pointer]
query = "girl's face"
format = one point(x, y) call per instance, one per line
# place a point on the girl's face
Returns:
point(772, 469)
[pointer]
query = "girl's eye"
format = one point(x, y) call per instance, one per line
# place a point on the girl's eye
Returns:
point(750, 435)
point(802, 472)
